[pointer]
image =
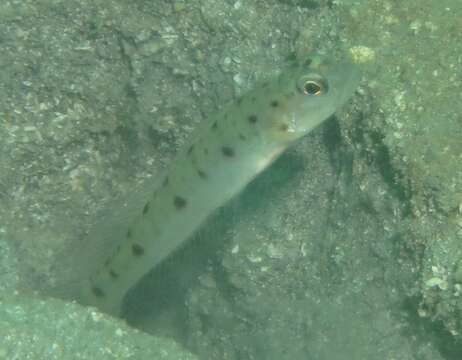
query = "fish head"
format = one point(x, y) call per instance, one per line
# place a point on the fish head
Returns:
point(310, 95)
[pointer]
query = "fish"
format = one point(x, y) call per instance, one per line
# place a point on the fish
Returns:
point(223, 155)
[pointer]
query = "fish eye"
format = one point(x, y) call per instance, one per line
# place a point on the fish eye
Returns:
point(312, 86)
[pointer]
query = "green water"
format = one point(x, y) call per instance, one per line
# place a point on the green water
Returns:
point(348, 247)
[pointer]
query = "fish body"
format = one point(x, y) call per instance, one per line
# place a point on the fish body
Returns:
point(224, 154)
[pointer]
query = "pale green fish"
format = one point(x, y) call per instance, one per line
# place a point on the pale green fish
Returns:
point(224, 155)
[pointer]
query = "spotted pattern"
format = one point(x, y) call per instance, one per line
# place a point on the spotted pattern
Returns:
point(252, 119)
point(137, 250)
point(228, 151)
point(179, 202)
point(183, 200)
point(97, 291)
point(201, 174)
point(146, 209)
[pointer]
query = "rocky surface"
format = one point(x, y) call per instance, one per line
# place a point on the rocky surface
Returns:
point(348, 247)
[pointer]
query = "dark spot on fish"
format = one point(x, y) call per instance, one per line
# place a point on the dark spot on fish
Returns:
point(146, 208)
point(252, 118)
point(239, 101)
point(137, 250)
point(179, 202)
point(165, 182)
point(227, 151)
point(113, 274)
point(242, 137)
point(190, 150)
point(97, 291)
point(283, 127)
point(274, 103)
point(201, 174)
point(129, 235)
point(215, 125)
point(265, 84)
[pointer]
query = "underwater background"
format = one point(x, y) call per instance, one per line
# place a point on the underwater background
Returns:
point(348, 247)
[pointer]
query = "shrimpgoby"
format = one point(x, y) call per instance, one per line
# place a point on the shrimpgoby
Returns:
point(224, 154)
